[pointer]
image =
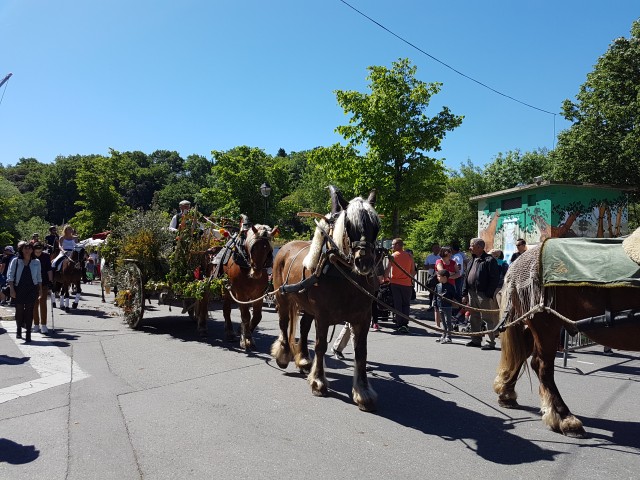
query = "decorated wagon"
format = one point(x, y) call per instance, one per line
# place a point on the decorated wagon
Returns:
point(143, 260)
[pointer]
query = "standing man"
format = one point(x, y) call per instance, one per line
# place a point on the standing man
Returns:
point(51, 240)
point(400, 283)
point(521, 245)
point(479, 289)
point(185, 206)
point(46, 272)
point(432, 258)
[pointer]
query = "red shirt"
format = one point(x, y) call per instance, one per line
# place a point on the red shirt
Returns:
point(451, 268)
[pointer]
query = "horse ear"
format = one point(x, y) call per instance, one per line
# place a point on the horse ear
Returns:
point(254, 230)
point(372, 198)
point(337, 200)
point(275, 231)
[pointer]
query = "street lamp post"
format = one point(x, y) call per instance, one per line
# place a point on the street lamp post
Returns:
point(265, 191)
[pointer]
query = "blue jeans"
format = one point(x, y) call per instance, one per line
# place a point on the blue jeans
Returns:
point(445, 316)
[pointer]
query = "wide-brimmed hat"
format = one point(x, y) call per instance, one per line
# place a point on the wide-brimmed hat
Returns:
point(9, 248)
point(184, 202)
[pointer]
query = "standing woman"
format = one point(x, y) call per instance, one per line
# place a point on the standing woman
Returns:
point(25, 284)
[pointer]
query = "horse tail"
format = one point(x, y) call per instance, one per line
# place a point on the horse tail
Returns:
point(293, 322)
point(516, 344)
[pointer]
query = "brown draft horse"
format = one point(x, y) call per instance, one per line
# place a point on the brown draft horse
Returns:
point(538, 337)
point(246, 270)
point(332, 298)
point(69, 274)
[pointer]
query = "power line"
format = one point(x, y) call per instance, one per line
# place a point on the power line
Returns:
point(445, 64)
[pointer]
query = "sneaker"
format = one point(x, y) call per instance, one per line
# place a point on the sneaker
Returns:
point(488, 346)
point(35, 328)
point(44, 329)
point(403, 329)
point(438, 340)
point(376, 327)
point(337, 353)
point(473, 344)
point(607, 351)
point(448, 340)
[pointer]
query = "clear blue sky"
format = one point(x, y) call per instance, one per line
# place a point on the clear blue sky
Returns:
point(197, 75)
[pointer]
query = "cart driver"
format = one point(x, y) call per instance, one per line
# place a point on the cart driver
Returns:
point(185, 206)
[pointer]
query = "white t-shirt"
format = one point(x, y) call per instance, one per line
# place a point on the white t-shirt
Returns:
point(459, 258)
point(431, 260)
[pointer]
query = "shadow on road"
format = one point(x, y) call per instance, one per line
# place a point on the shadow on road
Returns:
point(9, 360)
point(17, 454)
point(411, 406)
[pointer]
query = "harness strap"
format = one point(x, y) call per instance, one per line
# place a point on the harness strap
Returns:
point(301, 285)
point(607, 320)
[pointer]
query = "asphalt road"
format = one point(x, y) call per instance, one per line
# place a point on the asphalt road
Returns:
point(98, 400)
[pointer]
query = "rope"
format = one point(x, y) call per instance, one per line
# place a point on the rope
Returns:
point(333, 260)
point(414, 280)
point(249, 302)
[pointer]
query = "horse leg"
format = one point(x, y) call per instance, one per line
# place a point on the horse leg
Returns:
point(76, 299)
point(229, 334)
point(302, 358)
point(201, 312)
point(281, 348)
point(317, 378)
point(363, 394)
point(250, 326)
point(65, 288)
point(516, 344)
point(555, 413)
point(246, 341)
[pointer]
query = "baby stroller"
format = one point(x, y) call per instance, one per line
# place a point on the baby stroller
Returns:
point(461, 322)
point(384, 295)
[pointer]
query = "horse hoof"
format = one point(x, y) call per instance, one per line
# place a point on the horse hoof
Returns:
point(230, 337)
point(202, 333)
point(74, 305)
point(508, 403)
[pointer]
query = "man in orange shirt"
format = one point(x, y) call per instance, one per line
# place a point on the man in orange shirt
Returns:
point(400, 283)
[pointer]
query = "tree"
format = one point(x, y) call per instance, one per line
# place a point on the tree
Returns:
point(513, 168)
point(603, 144)
point(97, 181)
point(391, 123)
point(236, 178)
point(10, 199)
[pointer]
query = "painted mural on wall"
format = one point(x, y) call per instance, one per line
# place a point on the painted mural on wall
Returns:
point(560, 212)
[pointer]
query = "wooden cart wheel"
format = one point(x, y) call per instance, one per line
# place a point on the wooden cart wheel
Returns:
point(133, 289)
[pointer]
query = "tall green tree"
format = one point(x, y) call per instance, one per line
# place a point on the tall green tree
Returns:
point(514, 167)
point(603, 144)
point(391, 124)
point(236, 178)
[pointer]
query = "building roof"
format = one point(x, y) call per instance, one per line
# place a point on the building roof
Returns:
point(547, 183)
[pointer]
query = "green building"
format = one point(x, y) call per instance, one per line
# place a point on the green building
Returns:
point(547, 209)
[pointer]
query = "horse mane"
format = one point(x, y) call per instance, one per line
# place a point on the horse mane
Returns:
point(359, 214)
point(311, 260)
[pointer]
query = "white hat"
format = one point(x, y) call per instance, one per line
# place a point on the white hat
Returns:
point(184, 202)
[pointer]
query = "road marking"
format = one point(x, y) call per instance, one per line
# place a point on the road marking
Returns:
point(587, 363)
point(53, 366)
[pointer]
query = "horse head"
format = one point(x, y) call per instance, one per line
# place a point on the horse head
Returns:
point(356, 228)
point(259, 248)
